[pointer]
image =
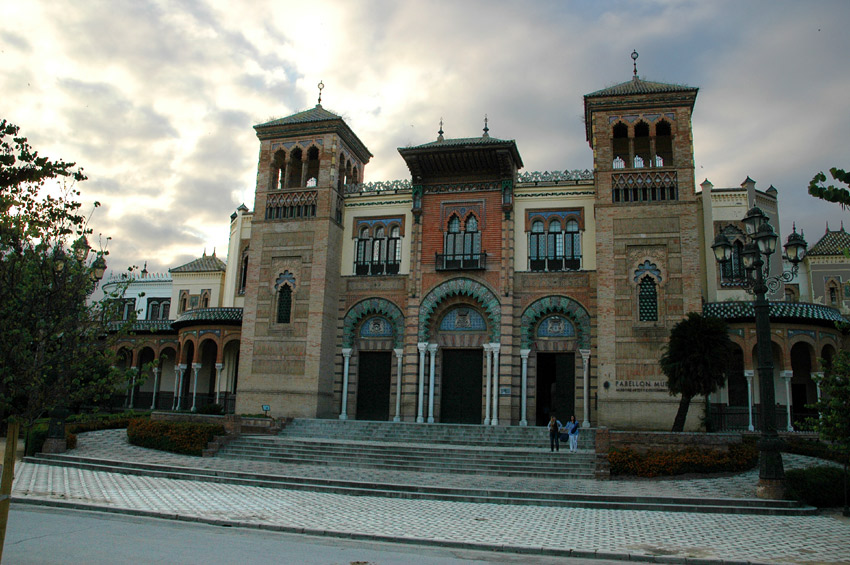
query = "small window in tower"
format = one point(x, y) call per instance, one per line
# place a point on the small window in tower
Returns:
point(620, 145)
point(284, 304)
point(294, 168)
point(663, 144)
point(647, 300)
point(642, 153)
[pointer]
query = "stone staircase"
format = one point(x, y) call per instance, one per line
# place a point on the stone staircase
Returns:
point(432, 448)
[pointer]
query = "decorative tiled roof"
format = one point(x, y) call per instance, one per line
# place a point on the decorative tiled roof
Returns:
point(790, 311)
point(316, 114)
point(832, 243)
point(461, 142)
point(228, 316)
point(205, 264)
point(639, 86)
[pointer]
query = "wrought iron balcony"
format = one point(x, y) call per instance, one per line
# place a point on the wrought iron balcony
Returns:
point(376, 267)
point(461, 261)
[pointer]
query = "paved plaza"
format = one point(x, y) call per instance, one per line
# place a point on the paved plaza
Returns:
point(612, 534)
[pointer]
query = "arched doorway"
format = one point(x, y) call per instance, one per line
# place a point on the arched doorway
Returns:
point(374, 369)
point(460, 333)
point(556, 369)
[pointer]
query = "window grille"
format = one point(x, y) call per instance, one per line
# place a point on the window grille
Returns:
point(647, 300)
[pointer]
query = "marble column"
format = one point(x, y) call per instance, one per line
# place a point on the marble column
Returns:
point(132, 400)
point(432, 353)
point(346, 358)
point(494, 421)
point(218, 368)
point(749, 374)
point(178, 384)
point(585, 365)
point(817, 378)
point(423, 347)
point(155, 387)
point(195, 368)
point(487, 348)
point(524, 406)
point(399, 355)
point(787, 376)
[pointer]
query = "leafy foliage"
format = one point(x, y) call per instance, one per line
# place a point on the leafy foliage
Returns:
point(190, 438)
point(56, 349)
point(833, 422)
point(695, 360)
point(739, 457)
point(820, 486)
point(831, 193)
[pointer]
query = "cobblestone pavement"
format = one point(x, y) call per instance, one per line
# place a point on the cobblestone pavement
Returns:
point(604, 533)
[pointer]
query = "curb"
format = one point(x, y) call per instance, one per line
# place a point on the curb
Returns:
point(519, 550)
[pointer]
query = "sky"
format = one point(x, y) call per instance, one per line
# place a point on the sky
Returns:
point(156, 100)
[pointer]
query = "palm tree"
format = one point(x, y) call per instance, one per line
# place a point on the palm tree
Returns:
point(695, 360)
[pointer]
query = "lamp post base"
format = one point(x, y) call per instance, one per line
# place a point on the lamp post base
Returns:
point(772, 489)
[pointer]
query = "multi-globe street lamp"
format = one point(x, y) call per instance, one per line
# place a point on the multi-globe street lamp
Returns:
point(755, 256)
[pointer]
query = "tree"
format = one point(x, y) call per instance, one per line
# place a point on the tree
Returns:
point(833, 421)
point(56, 349)
point(695, 360)
point(831, 193)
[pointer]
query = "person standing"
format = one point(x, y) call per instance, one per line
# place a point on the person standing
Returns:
point(554, 432)
point(572, 430)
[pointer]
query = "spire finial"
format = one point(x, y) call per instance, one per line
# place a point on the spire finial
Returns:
point(634, 61)
point(321, 85)
point(440, 133)
point(486, 129)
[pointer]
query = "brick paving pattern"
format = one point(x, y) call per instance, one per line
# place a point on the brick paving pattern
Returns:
point(622, 533)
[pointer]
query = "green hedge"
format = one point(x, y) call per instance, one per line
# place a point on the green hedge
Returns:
point(821, 486)
point(740, 457)
point(813, 448)
point(79, 423)
point(188, 438)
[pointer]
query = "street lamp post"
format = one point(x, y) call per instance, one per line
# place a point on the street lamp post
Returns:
point(756, 259)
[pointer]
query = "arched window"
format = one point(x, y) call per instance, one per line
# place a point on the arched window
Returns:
point(537, 247)
point(394, 251)
point(732, 271)
point(153, 312)
point(641, 145)
point(243, 272)
point(293, 178)
point(378, 249)
point(278, 172)
point(284, 304)
point(379, 246)
point(558, 249)
point(663, 144)
point(620, 145)
point(164, 310)
point(312, 176)
point(647, 300)
point(340, 180)
point(361, 259)
point(737, 384)
point(462, 249)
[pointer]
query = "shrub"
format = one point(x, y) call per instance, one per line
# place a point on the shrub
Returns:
point(813, 448)
point(189, 438)
point(78, 423)
point(739, 457)
point(821, 486)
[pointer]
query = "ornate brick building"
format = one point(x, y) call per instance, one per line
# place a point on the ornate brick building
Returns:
point(474, 292)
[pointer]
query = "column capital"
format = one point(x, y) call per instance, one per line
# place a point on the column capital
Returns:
point(749, 374)
point(180, 367)
point(817, 375)
point(432, 347)
point(787, 375)
point(196, 368)
point(156, 370)
point(398, 352)
point(496, 346)
point(487, 347)
point(346, 352)
point(524, 353)
point(585, 354)
point(219, 366)
point(422, 346)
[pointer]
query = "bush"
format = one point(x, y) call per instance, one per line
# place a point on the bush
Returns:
point(740, 457)
point(78, 423)
point(821, 486)
point(188, 438)
point(813, 448)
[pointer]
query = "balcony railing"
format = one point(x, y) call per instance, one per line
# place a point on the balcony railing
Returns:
point(461, 262)
point(554, 264)
point(376, 267)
